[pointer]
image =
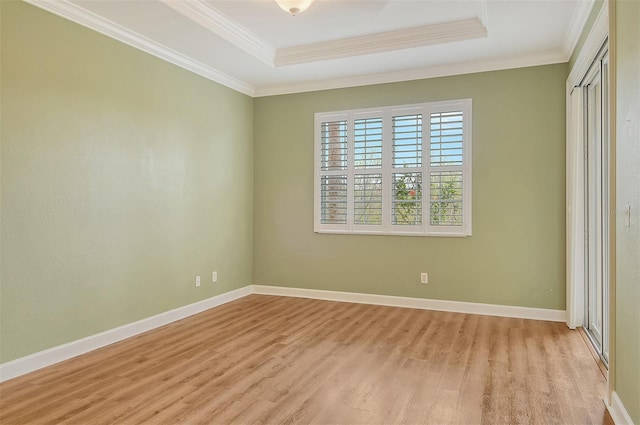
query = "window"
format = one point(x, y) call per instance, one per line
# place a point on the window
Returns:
point(374, 174)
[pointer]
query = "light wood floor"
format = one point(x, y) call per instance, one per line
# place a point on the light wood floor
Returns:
point(272, 360)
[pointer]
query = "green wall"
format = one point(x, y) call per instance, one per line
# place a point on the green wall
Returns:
point(123, 177)
point(627, 350)
point(516, 253)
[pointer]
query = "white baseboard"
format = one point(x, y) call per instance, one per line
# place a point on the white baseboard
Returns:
point(63, 352)
point(617, 411)
point(72, 349)
point(420, 303)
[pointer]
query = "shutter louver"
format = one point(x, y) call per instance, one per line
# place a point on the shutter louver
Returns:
point(407, 141)
point(394, 170)
point(446, 153)
point(334, 146)
point(368, 143)
point(333, 188)
point(446, 198)
point(333, 195)
point(407, 199)
point(368, 199)
point(446, 138)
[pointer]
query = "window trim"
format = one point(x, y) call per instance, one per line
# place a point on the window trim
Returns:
point(387, 170)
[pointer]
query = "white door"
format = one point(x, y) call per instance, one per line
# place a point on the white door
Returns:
point(596, 119)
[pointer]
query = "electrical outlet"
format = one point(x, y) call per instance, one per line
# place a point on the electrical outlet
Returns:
point(424, 277)
point(214, 277)
point(197, 281)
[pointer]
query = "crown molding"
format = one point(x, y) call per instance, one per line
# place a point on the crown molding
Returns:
point(482, 12)
point(578, 20)
point(592, 44)
point(79, 15)
point(546, 58)
point(202, 13)
point(210, 18)
point(446, 32)
point(213, 20)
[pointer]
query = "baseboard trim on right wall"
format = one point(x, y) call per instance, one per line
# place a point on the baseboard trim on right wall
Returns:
point(618, 412)
point(419, 303)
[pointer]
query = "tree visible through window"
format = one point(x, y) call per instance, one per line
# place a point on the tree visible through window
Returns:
point(373, 174)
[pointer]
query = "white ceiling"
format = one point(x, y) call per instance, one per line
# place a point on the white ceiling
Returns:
point(255, 47)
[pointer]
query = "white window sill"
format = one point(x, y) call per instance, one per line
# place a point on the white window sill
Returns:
point(436, 234)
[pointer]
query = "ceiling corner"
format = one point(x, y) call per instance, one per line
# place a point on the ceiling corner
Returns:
point(210, 18)
point(79, 15)
point(578, 21)
point(543, 58)
point(483, 13)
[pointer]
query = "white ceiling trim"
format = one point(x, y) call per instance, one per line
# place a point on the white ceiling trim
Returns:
point(79, 15)
point(382, 42)
point(213, 20)
point(202, 13)
point(104, 26)
point(547, 58)
point(592, 44)
point(578, 20)
point(482, 12)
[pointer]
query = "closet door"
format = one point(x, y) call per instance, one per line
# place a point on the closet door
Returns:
point(596, 203)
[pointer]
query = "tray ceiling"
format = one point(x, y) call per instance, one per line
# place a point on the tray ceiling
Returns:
point(255, 47)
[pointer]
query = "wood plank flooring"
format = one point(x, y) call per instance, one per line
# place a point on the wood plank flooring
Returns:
point(276, 360)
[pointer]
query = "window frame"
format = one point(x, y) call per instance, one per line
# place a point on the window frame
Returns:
point(387, 170)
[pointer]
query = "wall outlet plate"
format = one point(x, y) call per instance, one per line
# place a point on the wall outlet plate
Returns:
point(197, 281)
point(424, 277)
point(214, 276)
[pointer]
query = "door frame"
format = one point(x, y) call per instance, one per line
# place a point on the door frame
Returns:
point(575, 171)
point(602, 29)
point(597, 188)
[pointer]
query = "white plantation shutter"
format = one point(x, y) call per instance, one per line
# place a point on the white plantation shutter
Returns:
point(446, 142)
point(407, 199)
point(367, 182)
point(396, 170)
point(334, 162)
point(446, 183)
point(406, 208)
point(334, 199)
point(334, 145)
point(368, 143)
point(446, 198)
point(407, 141)
point(367, 204)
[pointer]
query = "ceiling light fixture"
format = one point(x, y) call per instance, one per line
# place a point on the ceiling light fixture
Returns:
point(294, 6)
